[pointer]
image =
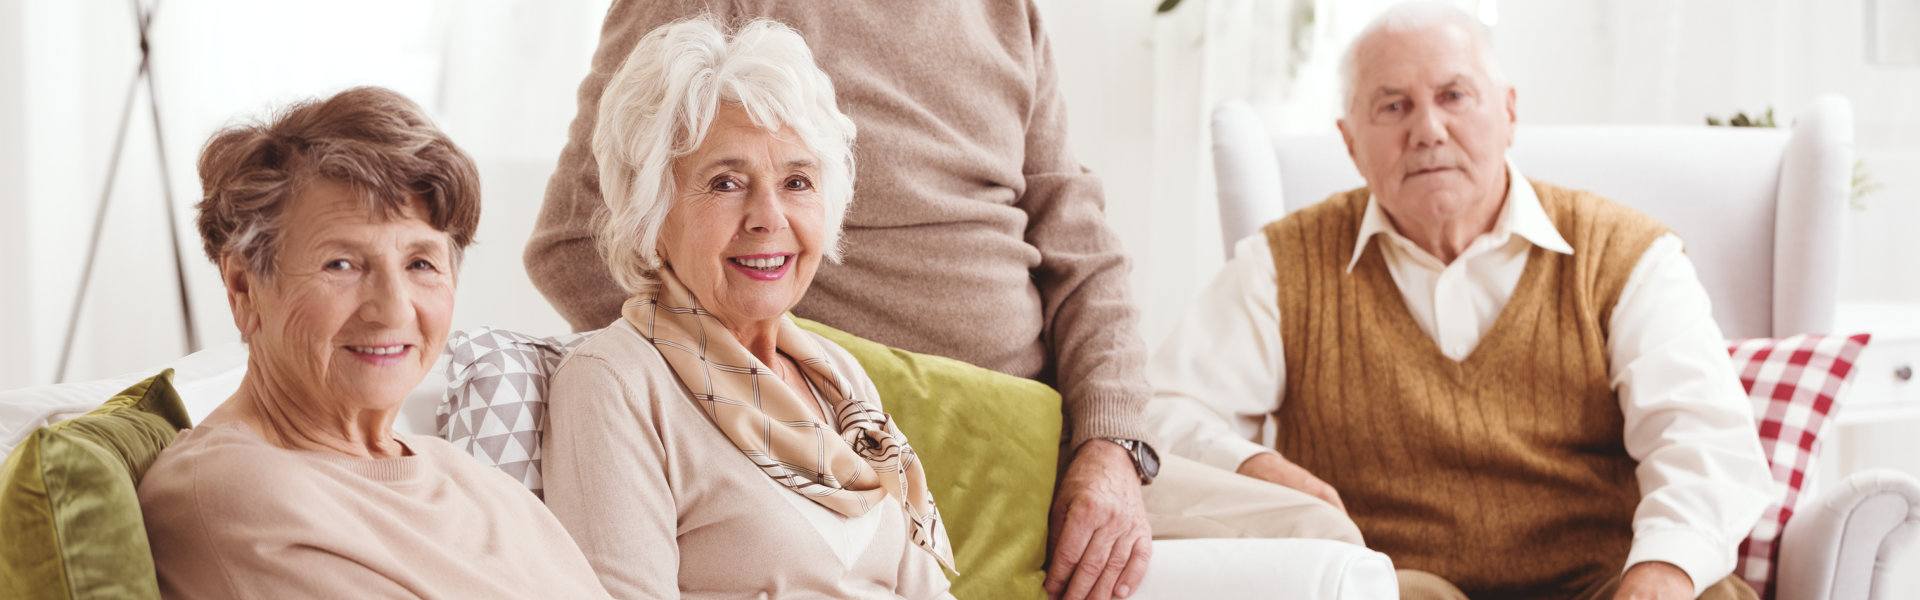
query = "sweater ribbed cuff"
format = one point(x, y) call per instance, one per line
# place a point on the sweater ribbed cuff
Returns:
point(1108, 414)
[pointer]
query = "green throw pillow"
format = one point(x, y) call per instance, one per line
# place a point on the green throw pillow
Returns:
point(68, 508)
point(990, 444)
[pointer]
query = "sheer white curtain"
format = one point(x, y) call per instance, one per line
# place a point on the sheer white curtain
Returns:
point(499, 75)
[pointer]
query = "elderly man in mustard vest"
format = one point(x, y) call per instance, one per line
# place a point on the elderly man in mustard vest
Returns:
point(1514, 389)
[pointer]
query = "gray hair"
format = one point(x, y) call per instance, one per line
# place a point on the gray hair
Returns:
point(659, 105)
point(1416, 16)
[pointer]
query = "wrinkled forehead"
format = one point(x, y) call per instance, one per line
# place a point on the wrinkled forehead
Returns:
point(1418, 58)
point(324, 207)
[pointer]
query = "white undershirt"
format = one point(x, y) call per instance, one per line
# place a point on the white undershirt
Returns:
point(848, 537)
point(1704, 480)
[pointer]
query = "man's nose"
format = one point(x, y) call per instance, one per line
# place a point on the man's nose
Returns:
point(1429, 127)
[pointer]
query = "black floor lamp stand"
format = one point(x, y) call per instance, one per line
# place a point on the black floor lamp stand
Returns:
point(144, 76)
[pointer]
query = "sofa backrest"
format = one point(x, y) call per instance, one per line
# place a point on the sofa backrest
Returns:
point(204, 380)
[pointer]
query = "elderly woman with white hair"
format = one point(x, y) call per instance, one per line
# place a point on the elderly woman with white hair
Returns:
point(703, 445)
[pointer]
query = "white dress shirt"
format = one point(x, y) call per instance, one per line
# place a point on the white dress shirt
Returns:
point(1703, 479)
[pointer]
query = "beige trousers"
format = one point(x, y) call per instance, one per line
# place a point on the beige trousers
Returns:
point(1193, 500)
point(1421, 585)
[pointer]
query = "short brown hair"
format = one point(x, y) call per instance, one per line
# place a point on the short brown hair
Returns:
point(371, 139)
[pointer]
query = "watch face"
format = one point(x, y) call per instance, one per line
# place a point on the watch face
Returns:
point(1149, 461)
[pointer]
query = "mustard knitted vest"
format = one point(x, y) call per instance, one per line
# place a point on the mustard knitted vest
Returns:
point(1504, 473)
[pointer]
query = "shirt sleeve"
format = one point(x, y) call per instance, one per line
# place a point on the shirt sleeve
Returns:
point(561, 257)
point(1221, 371)
point(602, 443)
point(1092, 325)
point(1703, 478)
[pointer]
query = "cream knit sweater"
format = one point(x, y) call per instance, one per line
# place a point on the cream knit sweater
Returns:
point(231, 516)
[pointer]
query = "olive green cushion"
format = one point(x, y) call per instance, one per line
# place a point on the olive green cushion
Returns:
point(68, 508)
point(990, 443)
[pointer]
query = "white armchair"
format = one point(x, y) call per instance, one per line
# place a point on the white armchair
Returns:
point(1761, 211)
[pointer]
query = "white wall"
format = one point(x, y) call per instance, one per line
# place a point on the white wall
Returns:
point(1652, 61)
point(14, 319)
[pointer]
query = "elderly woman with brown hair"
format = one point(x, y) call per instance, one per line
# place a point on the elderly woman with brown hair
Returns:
point(704, 446)
point(338, 229)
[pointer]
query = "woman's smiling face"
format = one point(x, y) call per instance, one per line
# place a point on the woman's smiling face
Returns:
point(747, 229)
point(358, 306)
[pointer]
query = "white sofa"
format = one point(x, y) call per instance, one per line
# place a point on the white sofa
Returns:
point(1762, 214)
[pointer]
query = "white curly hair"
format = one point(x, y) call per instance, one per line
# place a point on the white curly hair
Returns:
point(659, 105)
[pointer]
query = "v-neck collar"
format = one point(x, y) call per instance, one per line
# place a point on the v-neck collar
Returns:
point(1380, 280)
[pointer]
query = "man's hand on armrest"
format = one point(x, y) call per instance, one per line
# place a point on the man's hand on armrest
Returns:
point(1272, 467)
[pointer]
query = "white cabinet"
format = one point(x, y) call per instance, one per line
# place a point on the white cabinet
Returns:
point(1886, 388)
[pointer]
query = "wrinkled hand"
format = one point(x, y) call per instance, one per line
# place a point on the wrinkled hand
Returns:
point(1655, 581)
point(1098, 530)
point(1277, 469)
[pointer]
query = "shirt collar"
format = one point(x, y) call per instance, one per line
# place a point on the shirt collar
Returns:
point(1522, 216)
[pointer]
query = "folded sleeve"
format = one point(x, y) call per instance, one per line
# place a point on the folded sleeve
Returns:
point(1092, 325)
point(1220, 372)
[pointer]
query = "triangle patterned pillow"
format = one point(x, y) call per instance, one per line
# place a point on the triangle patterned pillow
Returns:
point(495, 408)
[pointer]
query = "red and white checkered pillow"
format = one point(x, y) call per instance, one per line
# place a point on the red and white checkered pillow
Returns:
point(1793, 383)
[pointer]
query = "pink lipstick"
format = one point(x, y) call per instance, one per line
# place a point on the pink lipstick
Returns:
point(762, 267)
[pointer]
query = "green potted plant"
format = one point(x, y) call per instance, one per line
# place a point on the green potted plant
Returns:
point(1863, 184)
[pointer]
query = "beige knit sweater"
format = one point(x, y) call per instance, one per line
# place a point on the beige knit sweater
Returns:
point(231, 516)
point(974, 232)
point(666, 506)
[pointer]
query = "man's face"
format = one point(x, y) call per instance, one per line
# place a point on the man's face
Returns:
point(1428, 127)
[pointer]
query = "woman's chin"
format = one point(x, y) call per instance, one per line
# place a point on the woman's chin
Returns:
point(382, 394)
point(756, 308)
point(773, 312)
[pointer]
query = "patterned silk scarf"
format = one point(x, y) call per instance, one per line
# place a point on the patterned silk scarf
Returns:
point(769, 423)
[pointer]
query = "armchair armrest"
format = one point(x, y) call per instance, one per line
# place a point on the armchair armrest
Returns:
point(1837, 546)
point(1229, 569)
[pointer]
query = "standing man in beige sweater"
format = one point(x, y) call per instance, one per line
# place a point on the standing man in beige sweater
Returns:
point(974, 234)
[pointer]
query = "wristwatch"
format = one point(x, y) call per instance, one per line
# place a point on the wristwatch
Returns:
point(1146, 462)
